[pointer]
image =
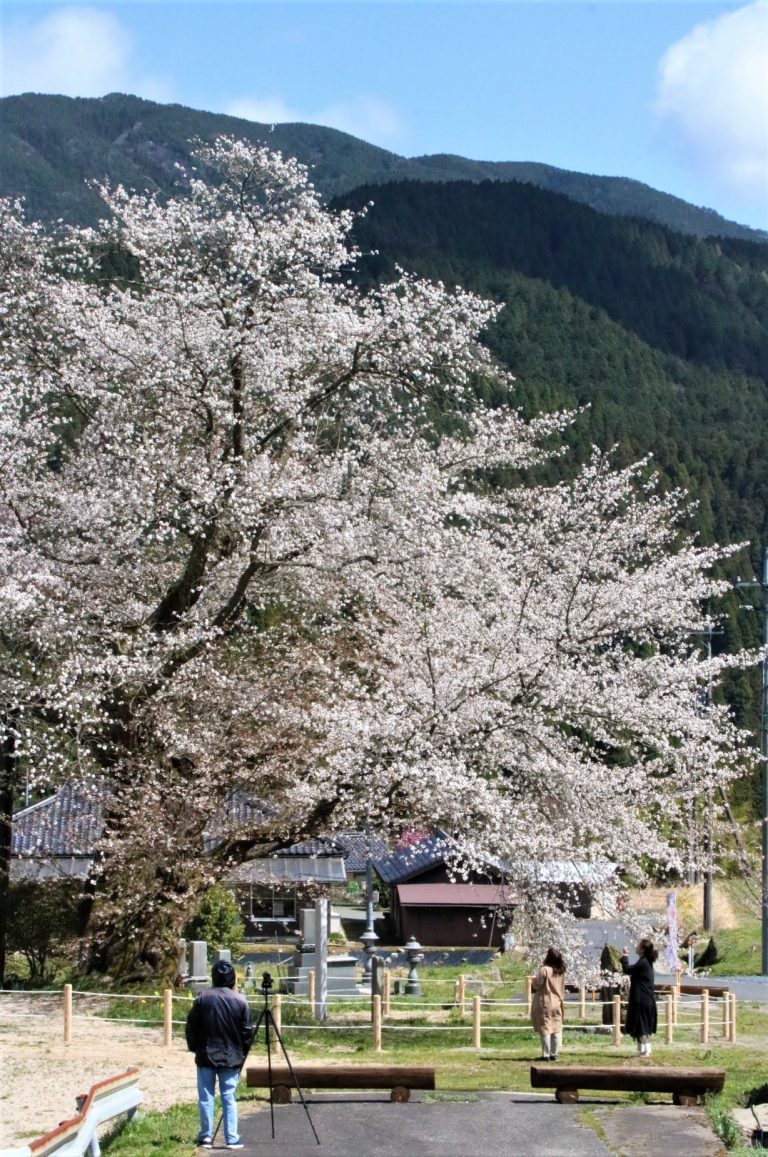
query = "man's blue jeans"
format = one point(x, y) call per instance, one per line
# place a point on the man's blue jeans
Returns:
point(206, 1088)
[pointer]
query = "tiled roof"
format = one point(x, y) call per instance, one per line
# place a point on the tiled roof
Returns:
point(68, 823)
point(412, 860)
point(318, 847)
point(242, 811)
point(357, 846)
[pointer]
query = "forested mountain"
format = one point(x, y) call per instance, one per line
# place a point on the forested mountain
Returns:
point(665, 336)
point(50, 146)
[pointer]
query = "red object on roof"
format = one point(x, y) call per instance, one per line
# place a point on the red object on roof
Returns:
point(454, 895)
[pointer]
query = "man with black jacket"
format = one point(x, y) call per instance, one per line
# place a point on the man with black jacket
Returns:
point(219, 1032)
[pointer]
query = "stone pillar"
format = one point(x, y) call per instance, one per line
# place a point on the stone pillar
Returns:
point(321, 957)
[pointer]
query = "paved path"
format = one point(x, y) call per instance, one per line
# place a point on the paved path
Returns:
point(497, 1124)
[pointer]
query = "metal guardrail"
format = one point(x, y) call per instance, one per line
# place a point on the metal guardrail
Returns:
point(76, 1137)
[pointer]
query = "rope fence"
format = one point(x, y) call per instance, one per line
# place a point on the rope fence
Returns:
point(706, 1016)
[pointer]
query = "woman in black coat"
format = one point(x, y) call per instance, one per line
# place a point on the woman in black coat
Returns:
point(641, 1009)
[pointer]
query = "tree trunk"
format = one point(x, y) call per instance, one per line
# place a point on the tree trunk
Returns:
point(145, 884)
point(8, 774)
point(129, 954)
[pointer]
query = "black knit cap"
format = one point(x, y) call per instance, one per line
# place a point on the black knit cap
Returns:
point(223, 974)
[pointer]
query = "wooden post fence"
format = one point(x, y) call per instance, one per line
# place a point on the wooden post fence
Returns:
point(377, 1024)
point(476, 1030)
point(705, 1016)
point(528, 995)
point(462, 995)
point(67, 1014)
point(277, 1018)
point(617, 1020)
point(311, 989)
point(669, 1028)
point(582, 1002)
point(168, 1017)
point(387, 997)
point(732, 1018)
point(725, 1031)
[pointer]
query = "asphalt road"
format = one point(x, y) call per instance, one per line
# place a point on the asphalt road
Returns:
point(497, 1124)
point(601, 932)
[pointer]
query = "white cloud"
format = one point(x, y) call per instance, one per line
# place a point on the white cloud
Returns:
point(271, 111)
point(368, 117)
point(713, 98)
point(73, 52)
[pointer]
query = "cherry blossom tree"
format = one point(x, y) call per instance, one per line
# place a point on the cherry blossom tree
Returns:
point(256, 591)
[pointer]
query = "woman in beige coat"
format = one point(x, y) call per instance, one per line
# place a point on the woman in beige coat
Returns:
point(548, 988)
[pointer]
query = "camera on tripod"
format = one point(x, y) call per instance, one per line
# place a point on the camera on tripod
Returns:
point(267, 1019)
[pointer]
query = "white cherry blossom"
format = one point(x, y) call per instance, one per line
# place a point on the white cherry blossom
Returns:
point(242, 557)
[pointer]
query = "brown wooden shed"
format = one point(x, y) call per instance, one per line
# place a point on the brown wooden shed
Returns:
point(460, 915)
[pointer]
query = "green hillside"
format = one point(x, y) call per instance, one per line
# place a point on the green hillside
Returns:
point(51, 145)
point(665, 336)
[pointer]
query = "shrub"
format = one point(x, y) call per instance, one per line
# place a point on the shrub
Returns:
point(41, 922)
point(218, 921)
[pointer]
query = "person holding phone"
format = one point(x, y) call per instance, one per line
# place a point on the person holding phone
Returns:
point(641, 1008)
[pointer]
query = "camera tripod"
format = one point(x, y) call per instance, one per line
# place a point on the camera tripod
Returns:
point(266, 1018)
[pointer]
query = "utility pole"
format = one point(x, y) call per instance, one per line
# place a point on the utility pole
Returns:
point(763, 586)
point(707, 915)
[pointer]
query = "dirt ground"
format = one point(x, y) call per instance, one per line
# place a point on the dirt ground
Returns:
point(40, 1076)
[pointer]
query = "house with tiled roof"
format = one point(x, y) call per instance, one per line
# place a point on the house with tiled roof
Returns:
point(57, 837)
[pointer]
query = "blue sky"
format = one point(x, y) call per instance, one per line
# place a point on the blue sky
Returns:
point(672, 93)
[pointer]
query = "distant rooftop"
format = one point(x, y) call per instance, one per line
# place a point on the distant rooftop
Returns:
point(424, 853)
point(69, 824)
point(455, 895)
point(66, 824)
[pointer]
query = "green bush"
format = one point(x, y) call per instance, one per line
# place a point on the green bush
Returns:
point(218, 921)
point(42, 918)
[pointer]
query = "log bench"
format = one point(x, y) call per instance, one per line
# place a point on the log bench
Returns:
point(685, 1085)
point(399, 1079)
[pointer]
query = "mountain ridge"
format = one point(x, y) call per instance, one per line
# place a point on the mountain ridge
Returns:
point(50, 145)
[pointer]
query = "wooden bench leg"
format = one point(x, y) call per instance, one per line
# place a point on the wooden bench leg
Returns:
point(686, 1100)
point(282, 1094)
point(566, 1096)
point(400, 1093)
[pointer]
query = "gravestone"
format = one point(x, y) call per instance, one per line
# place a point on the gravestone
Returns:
point(377, 976)
point(198, 965)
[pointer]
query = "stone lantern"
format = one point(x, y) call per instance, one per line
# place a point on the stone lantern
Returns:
point(369, 940)
point(415, 956)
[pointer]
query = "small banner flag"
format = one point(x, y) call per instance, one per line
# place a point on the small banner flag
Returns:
point(672, 960)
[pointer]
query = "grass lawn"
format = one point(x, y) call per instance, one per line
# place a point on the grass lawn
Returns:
point(501, 1064)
